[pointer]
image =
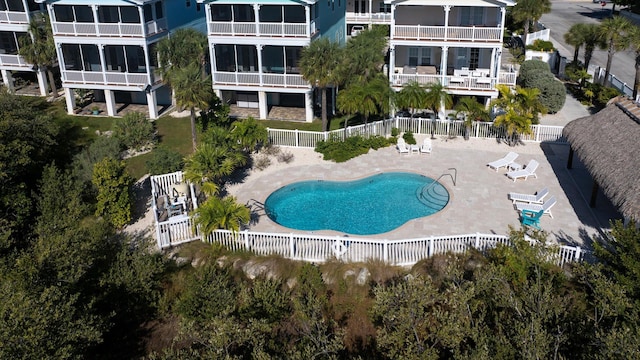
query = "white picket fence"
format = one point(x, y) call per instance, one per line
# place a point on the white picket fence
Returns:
point(309, 139)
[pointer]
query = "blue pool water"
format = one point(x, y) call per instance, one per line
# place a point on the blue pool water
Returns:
point(372, 205)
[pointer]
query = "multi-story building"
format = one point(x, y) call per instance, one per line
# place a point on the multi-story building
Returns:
point(109, 46)
point(459, 46)
point(15, 16)
point(255, 48)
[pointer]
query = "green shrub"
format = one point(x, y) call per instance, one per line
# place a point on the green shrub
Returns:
point(552, 92)
point(408, 138)
point(340, 151)
point(541, 45)
point(603, 94)
point(530, 69)
point(134, 131)
point(103, 147)
point(395, 131)
point(113, 183)
point(164, 160)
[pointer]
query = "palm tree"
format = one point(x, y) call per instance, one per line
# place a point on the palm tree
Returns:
point(517, 111)
point(39, 49)
point(249, 133)
point(413, 96)
point(210, 163)
point(615, 32)
point(191, 91)
point(473, 111)
point(592, 39)
point(318, 64)
point(529, 101)
point(181, 49)
point(366, 99)
point(634, 42)
point(437, 97)
point(224, 213)
point(528, 11)
point(364, 56)
point(575, 38)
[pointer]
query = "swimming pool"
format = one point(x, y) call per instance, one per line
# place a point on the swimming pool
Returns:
point(372, 205)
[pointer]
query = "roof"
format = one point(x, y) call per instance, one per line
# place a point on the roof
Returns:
point(608, 143)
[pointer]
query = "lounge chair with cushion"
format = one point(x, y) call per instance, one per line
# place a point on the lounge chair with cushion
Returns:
point(402, 146)
point(537, 198)
point(531, 218)
point(426, 146)
point(546, 206)
point(529, 170)
point(504, 162)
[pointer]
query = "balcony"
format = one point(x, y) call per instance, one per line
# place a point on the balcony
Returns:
point(457, 82)
point(8, 60)
point(108, 29)
point(138, 80)
point(373, 18)
point(226, 28)
point(451, 33)
point(260, 79)
point(13, 17)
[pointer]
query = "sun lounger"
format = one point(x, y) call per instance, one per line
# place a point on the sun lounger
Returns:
point(530, 170)
point(504, 162)
point(537, 198)
point(537, 207)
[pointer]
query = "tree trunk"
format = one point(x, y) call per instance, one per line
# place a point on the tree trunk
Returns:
point(576, 52)
point(52, 83)
point(637, 80)
point(588, 52)
point(193, 128)
point(526, 32)
point(324, 108)
point(608, 68)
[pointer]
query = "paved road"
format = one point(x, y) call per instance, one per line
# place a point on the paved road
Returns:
point(565, 13)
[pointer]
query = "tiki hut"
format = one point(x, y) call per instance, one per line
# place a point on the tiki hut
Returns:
point(608, 144)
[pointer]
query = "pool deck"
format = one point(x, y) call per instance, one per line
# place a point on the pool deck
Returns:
point(478, 201)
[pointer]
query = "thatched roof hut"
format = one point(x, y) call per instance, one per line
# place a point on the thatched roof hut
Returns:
point(608, 143)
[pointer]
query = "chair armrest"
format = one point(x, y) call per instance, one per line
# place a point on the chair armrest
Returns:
point(529, 213)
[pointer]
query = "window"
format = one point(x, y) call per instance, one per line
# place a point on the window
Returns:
point(243, 13)
point(292, 58)
point(188, 3)
point(471, 16)
point(273, 59)
point(129, 15)
point(33, 6)
point(114, 58)
point(9, 42)
point(91, 57)
point(221, 12)
point(474, 58)
point(71, 56)
point(294, 14)
point(385, 8)
point(159, 12)
point(108, 14)
point(15, 5)
point(247, 58)
point(270, 13)
point(63, 13)
point(419, 56)
point(84, 14)
point(148, 13)
point(225, 58)
point(135, 59)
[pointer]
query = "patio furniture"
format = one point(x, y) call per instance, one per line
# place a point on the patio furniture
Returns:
point(504, 162)
point(531, 218)
point(426, 146)
point(546, 207)
point(537, 198)
point(402, 146)
point(529, 170)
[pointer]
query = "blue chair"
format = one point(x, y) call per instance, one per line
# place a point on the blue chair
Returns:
point(532, 218)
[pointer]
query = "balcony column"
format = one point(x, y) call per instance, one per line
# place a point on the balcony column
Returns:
point(308, 105)
point(143, 23)
point(370, 14)
point(256, 15)
point(7, 79)
point(503, 12)
point(493, 63)
point(110, 100)
point(70, 99)
point(447, 9)
point(443, 64)
point(307, 18)
point(212, 60)
point(393, 20)
point(262, 104)
point(94, 9)
point(147, 64)
point(259, 51)
point(42, 82)
point(152, 102)
point(392, 62)
point(103, 62)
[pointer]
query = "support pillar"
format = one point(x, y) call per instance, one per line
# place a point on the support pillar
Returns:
point(42, 82)
point(70, 98)
point(443, 65)
point(308, 106)
point(218, 93)
point(392, 63)
point(262, 104)
point(393, 21)
point(492, 67)
point(594, 194)
point(110, 99)
point(152, 102)
point(7, 79)
point(447, 9)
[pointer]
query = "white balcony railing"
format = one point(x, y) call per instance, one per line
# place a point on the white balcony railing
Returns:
point(374, 18)
point(451, 82)
point(140, 80)
point(14, 60)
point(108, 30)
point(261, 29)
point(459, 33)
point(13, 17)
point(260, 79)
point(507, 78)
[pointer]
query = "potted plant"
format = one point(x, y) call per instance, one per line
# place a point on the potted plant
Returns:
point(95, 110)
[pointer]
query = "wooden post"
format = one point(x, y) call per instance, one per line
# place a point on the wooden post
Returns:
point(594, 194)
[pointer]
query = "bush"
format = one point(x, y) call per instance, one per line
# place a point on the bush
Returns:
point(340, 151)
point(134, 131)
point(552, 92)
point(603, 94)
point(531, 69)
point(395, 131)
point(408, 138)
point(541, 45)
point(113, 184)
point(285, 157)
point(103, 147)
point(164, 160)
point(262, 162)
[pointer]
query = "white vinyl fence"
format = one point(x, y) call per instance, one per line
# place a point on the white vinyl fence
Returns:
point(309, 139)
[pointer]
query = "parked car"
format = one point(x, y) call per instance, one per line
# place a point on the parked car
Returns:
point(403, 113)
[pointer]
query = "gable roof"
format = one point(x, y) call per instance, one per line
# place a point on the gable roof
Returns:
point(608, 143)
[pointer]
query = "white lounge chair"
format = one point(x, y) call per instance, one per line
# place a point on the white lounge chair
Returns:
point(504, 162)
point(426, 146)
point(537, 198)
point(537, 207)
point(402, 146)
point(529, 170)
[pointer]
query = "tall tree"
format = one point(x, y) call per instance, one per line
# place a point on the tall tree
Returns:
point(517, 111)
point(249, 133)
point(592, 39)
point(437, 99)
point(210, 163)
point(39, 48)
point(473, 111)
point(363, 56)
point(615, 32)
point(412, 96)
point(114, 187)
point(529, 11)
point(367, 99)
point(575, 38)
point(318, 64)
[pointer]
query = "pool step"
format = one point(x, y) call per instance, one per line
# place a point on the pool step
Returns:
point(433, 196)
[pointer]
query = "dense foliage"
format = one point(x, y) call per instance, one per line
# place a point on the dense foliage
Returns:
point(340, 151)
point(134, 131)
point(536, 74)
